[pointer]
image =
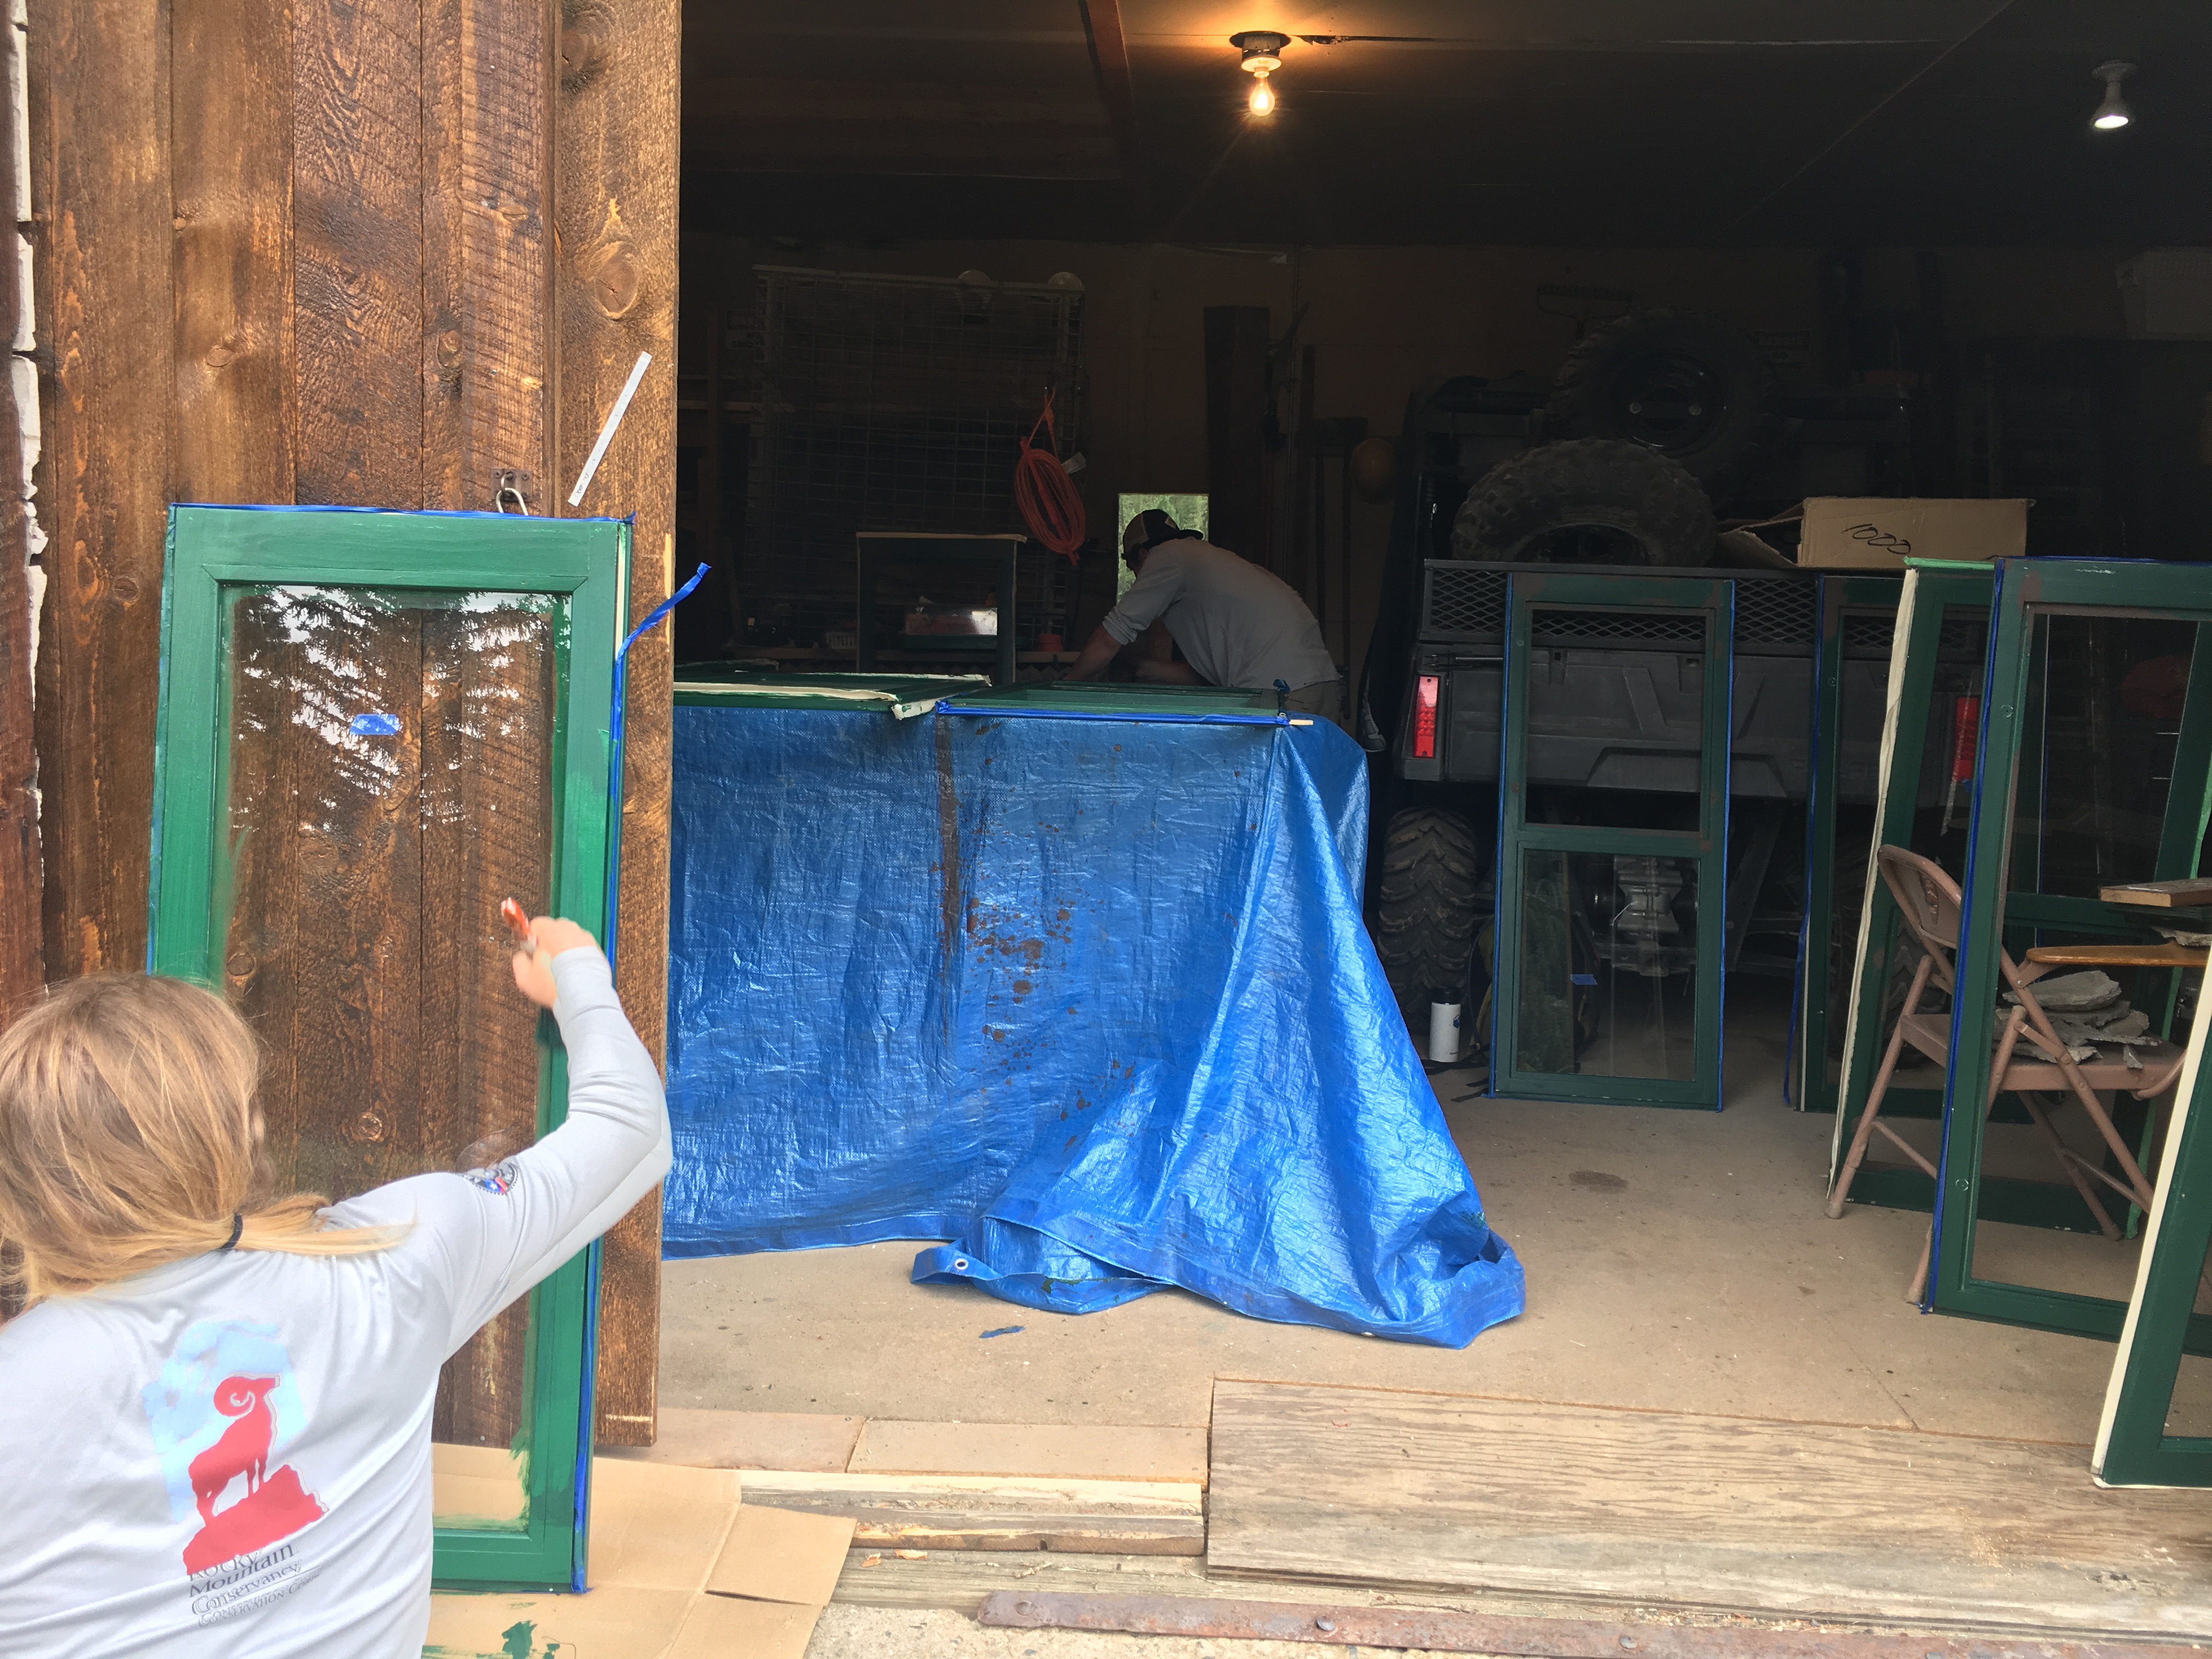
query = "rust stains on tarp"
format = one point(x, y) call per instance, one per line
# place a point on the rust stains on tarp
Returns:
point(948, 835)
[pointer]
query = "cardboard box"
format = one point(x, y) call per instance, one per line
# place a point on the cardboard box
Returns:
point(1873, 532)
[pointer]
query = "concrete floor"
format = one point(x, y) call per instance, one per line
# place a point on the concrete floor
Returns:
point(1675, 1259)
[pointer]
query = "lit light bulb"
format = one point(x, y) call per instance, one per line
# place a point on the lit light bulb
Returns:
point(1262, 100)
point(2114, 113)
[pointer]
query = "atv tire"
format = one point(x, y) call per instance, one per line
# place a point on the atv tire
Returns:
point(1691, 387)
point(1428, 907)
point(1591, 500)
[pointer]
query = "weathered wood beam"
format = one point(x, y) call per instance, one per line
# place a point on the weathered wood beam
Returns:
point(357, 155)
point(488, 80)
point(101, 201)
point(23, 968)
point(237, 430)
point(1109, 62)
point(615, 295)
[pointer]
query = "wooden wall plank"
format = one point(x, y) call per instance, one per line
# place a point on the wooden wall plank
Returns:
point(357, 250)
point(22, 961)
point(615, 295)
point(100, 149)
point(487, 77)
point(231, 175)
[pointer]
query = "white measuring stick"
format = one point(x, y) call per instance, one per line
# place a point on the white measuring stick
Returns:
point(607, 432)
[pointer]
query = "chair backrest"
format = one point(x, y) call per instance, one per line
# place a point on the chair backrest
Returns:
point(1929, 900)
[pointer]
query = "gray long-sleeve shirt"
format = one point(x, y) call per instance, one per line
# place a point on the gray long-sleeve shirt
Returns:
point(229, 1457)
point(1236, 625)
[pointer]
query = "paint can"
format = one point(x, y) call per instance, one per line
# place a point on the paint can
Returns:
point(1444, 1033)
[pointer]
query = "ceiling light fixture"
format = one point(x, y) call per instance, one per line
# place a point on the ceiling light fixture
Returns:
point(1263, 56)
point(2114, 113)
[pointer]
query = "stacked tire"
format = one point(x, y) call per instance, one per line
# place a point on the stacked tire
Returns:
point(1588, 500)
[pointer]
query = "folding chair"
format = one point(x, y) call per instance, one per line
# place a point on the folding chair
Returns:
point(1929, 900)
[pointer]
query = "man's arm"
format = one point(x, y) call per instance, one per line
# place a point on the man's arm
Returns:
point(1158, 584)
point(1090, 662)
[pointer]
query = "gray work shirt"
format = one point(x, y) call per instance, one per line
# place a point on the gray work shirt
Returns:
point(1236, 624)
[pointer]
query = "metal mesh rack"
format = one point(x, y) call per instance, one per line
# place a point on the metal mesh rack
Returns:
point(1777, 612)
point(1467, 602)
point(896, 404)
point(1659, 628)
point(1869, 633)
point(1464, 602)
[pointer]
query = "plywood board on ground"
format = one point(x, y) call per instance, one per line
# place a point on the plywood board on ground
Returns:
point(1662, 1509)
point(812, 1441)
point(1080, 1451)
point(951, 1511)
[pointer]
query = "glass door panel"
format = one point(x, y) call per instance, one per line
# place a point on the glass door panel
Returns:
point(2092, 770)
point(373, 728)
point(1612, 825)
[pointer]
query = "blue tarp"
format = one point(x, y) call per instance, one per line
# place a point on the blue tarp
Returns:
point(1089, 998)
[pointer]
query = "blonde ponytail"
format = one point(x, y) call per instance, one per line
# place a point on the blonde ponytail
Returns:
point(128, 1139)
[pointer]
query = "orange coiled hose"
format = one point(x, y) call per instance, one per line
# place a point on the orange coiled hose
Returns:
point(1051, 505)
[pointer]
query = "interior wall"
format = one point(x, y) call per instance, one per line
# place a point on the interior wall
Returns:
point(1383, 321)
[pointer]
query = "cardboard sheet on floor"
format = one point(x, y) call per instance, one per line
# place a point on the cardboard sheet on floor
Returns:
point(679, 1569)
point(1089, 997)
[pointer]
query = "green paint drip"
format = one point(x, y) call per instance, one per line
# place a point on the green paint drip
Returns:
point(515, 1641)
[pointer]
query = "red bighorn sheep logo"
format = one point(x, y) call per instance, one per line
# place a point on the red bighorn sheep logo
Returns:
point(244, 1447)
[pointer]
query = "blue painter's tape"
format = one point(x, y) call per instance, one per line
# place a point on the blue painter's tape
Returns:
point(376, 724)
point(1582, 979)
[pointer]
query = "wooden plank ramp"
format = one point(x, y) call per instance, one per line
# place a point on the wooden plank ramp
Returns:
point(1669, 1510)
point(979, 1512)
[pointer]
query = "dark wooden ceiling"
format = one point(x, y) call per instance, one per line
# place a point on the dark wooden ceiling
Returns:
point(1624, 123)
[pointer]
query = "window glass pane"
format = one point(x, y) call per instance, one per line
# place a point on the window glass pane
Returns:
point(390, 767)
point(1943, 805)
point(2099, 724)
point(2190, 1412)
point(1609, 959)
point(1614, 716)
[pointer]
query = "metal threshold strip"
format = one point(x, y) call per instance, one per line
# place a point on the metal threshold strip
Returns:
point(1443, 1630)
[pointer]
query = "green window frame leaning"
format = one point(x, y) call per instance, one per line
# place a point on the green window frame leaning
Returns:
point(2146, 588)
point(2133, 1448)
point(1927, 596)
point(1714, 601)
point(1817, 998)
point(583, 565)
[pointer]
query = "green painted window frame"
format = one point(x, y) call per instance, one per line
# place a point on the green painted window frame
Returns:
point(585, 564)
point(2133, 1448)
point(1925, 598)
point(1837, 596)
point(2169, 592)
point(1715, 601)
